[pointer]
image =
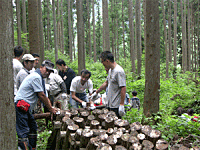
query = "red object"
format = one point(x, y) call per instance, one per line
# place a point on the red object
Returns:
point(195, 118)
point(100, 102)
point(23, 105)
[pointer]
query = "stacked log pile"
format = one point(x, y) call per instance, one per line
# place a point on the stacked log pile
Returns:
point(100, 129)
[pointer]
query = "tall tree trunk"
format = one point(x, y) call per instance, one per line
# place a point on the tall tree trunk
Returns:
point(13, 39)
point(70, 30)
point(19, 39)
point(189, 47)
point(48, 26)
point(94, 35)
point(166, 42)
point(62, 27)
point(175, 32)
point(41, 31)
point(113, 27)
point(106, 26)
point(138, 36)
point(58, 23)
point(55, 33)
point(89, 34)
point(123, 37)
point(152, 57)
point(198, 39)
point(185, 36)
point(144, 13)
point(169, 32)
point(7, 113)
point(34, 42)
point(80, 33)
point(130, 15)
point(24, 26)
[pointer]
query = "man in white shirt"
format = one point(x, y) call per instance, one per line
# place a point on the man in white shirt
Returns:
point(78, 89)
point(17, 65)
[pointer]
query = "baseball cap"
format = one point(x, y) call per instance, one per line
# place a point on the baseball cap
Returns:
point(48, 64)
point(28, 57)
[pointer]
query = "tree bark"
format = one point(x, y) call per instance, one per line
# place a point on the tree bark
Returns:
point(166, 41)
point(41, 36)
point(48, 26)
point(89, 34)
point(189, 47)
point(55, 33)
point(70, 30)
point(169, 32)
point(34, 41)
point(24, 26)
point(152, 59)
point(7, 113)
point(175, 32)
point(130, 15)
point(80, 34)
point(62, 27)
point(123, 36)
point(18, 8)
point(94, 35)
point(106, 25)
point(138, 37)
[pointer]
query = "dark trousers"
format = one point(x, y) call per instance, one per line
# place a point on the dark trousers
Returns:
point(26, 127)
point(116, 110)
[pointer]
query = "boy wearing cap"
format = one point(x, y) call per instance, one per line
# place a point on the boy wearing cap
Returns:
point(32, 88)
point(28, 61)
point(17, 65)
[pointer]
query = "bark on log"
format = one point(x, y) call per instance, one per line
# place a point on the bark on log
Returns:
point(132, 140)
point(147, 144)
point(137, 126)
point(93, 143)
point(146, 129)
point(122, 123)
point(112, 141)
point(85, 115)
point(124, 140)
point(85, 137)
point(105, 110)
point(60, 139)
point(78, 134)
point(154, 135)
point(109, 122)
point(161, 145)
point(89, 119)
point(104, 146)
point(42, 115)
point(66, 123)
point(74, 113)
point(119, 147)
point(80, 122)
point(94, 124)
point(101, 118)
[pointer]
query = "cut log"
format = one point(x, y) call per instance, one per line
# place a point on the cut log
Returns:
point(103, 137)
point(137, 126)
point(132, 140)
point(154, 135)
point(66, 123)
point(112, 141)
point(93, 143)
point(89, 119)
point(94, 124)
point(141, 137)
point(147, 144)
point(101, 118)
point(110, 131)
point(105, 110)
point(60, 139)
point(133, 132)
point(124, 140)
point(42, 115)
point(85, 115)
point(109, 122)
point(80, 122)
point(161, 145)
point(74, 113)
point(119, 147)
point(146, 129)
point(104, 146)
point(78, 134)
point(136, 146)
point(121, 123)
point(85, 137)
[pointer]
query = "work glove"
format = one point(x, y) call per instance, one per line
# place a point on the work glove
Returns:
point(92, 107)
point(84, 104)
point(121, 110)
point(93, 95)
point(47, 86)
point(129, 104)
point(64, 95)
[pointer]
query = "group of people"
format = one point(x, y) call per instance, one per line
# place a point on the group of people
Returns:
point(30, 87)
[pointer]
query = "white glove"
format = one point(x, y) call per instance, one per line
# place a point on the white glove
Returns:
point(93, 95)
point(47, 86)
point(121, 110)
point(129, 104)
point(64, 95)
point(84, 104)
point(92, 107)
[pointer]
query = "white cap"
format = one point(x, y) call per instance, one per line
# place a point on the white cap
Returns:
point(28, 57)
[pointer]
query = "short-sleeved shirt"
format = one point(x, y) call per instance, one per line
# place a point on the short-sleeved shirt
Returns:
point(77, 87)
point(116, 79)
point(54, 80)
point(126, 99)
point(21, 76)
point(29, 88)
point(67, 76)
point(135, 102)
point(17, 66)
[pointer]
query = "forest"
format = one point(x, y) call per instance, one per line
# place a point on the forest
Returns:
point(155, 41)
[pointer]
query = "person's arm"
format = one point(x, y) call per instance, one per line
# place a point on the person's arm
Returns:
point(102, 87)
point(47, 102)
point(123, 95)
point(76, 98)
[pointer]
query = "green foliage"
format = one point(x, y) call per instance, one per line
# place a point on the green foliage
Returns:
point(23, 37)
point(43, 139)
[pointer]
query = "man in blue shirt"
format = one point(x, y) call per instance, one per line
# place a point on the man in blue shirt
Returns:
point(32, 88)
